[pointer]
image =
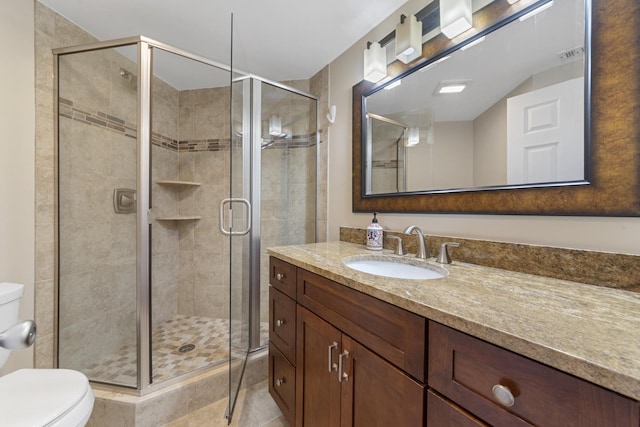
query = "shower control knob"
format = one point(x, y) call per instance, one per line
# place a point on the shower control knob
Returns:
point(279, 276)
point(280, 381)
point(280, 322)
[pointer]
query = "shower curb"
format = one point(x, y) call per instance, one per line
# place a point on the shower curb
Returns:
point(175, 401)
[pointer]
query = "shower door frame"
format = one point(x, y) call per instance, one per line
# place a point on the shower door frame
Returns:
point(144, 218)
point(256, 187)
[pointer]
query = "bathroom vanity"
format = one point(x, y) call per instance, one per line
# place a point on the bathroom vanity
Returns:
point(478, 347)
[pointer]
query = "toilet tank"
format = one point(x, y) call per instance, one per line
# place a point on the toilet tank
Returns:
point(10, 294)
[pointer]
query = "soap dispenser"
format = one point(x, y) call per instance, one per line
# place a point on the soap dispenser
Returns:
point(374, 235)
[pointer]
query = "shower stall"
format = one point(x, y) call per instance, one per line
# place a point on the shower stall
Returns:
point(174, 174)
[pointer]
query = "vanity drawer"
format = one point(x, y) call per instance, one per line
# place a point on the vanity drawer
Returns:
point(282, 323)
point(282, 276)
point(442, 413)
point(392, 332)
point(282, 383)
point(466, 369)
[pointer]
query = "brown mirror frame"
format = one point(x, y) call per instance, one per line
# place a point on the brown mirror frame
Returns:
point(614, 175)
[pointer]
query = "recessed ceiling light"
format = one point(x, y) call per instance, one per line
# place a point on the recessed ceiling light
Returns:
point(450, 87)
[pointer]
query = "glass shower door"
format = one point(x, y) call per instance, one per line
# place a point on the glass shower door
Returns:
point(235, 221)
point(97, 151)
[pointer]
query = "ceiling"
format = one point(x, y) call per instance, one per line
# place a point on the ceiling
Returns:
point(492, 69)
point(275, 39)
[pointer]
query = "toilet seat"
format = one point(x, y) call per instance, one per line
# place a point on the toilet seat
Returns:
point(45, 397)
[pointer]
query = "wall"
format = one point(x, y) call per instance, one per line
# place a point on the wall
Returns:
point(17, 158)
point(596, 233)
point(203, 252)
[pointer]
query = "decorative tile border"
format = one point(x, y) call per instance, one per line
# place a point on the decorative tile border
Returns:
point(66, 108)
point(619, 271)
point(114, 124)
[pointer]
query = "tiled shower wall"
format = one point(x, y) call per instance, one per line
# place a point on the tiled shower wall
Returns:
point(97, 246)
point(176, 246)
point(203, 157)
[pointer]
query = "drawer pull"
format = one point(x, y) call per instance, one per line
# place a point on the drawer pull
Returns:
point(342, 375)
point(280, 381)
point(279, 276)
point(503, 395)
point(332, 366)
point(280, 322)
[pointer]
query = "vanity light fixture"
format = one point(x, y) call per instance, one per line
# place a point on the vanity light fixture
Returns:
point(408, 39)
point(375, 62)
point(456, 17)
point(275, 125)
point(536, 11)
point(413, 137)
point(394, 84)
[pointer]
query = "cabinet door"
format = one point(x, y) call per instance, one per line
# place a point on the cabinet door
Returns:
point(317, 386)
point(441, 413)
point(376, 393)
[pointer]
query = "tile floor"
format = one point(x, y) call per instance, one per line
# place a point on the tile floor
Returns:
point(254, 408)
point(209, 337)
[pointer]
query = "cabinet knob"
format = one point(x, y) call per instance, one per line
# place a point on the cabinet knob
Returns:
point(279, 276)
point(280, 322)
point(280, 381)
point(503, 395)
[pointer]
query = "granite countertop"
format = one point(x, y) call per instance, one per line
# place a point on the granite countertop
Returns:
point(589, 331)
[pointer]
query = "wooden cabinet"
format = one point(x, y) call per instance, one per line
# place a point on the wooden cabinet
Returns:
point(376, 393)
point(340, 382)
point(282, 382)
point(282, 337)
point(339, 357)
point(442, 413)
point(506, 389)
point(317, 386)
point(358, 361)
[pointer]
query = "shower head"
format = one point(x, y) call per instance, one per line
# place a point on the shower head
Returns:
point(126, 74)
point(132, 78)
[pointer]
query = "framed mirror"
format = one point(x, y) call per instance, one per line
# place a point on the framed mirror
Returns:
point(472, 154)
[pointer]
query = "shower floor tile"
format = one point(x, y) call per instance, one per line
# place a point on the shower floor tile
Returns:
point(204, 343)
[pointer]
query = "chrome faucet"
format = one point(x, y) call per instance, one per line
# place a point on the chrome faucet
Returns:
point(399, 250)
point(422, 249)
point(443, 256)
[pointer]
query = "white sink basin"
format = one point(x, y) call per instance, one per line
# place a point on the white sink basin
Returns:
point(396, 267)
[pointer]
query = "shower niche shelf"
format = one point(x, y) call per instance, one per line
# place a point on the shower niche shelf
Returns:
point(177, 183)
point(178, 218)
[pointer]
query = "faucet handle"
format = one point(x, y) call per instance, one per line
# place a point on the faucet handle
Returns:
point(443, 256)
point(399, 250)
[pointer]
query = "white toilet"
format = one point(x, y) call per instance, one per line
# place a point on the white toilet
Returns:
point(39, 397)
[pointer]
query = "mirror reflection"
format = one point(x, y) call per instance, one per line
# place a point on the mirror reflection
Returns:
point(506, 109)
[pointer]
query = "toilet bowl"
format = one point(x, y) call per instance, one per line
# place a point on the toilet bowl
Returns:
point(39, 397)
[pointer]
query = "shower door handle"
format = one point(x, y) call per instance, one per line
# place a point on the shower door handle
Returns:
point(230, 232)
